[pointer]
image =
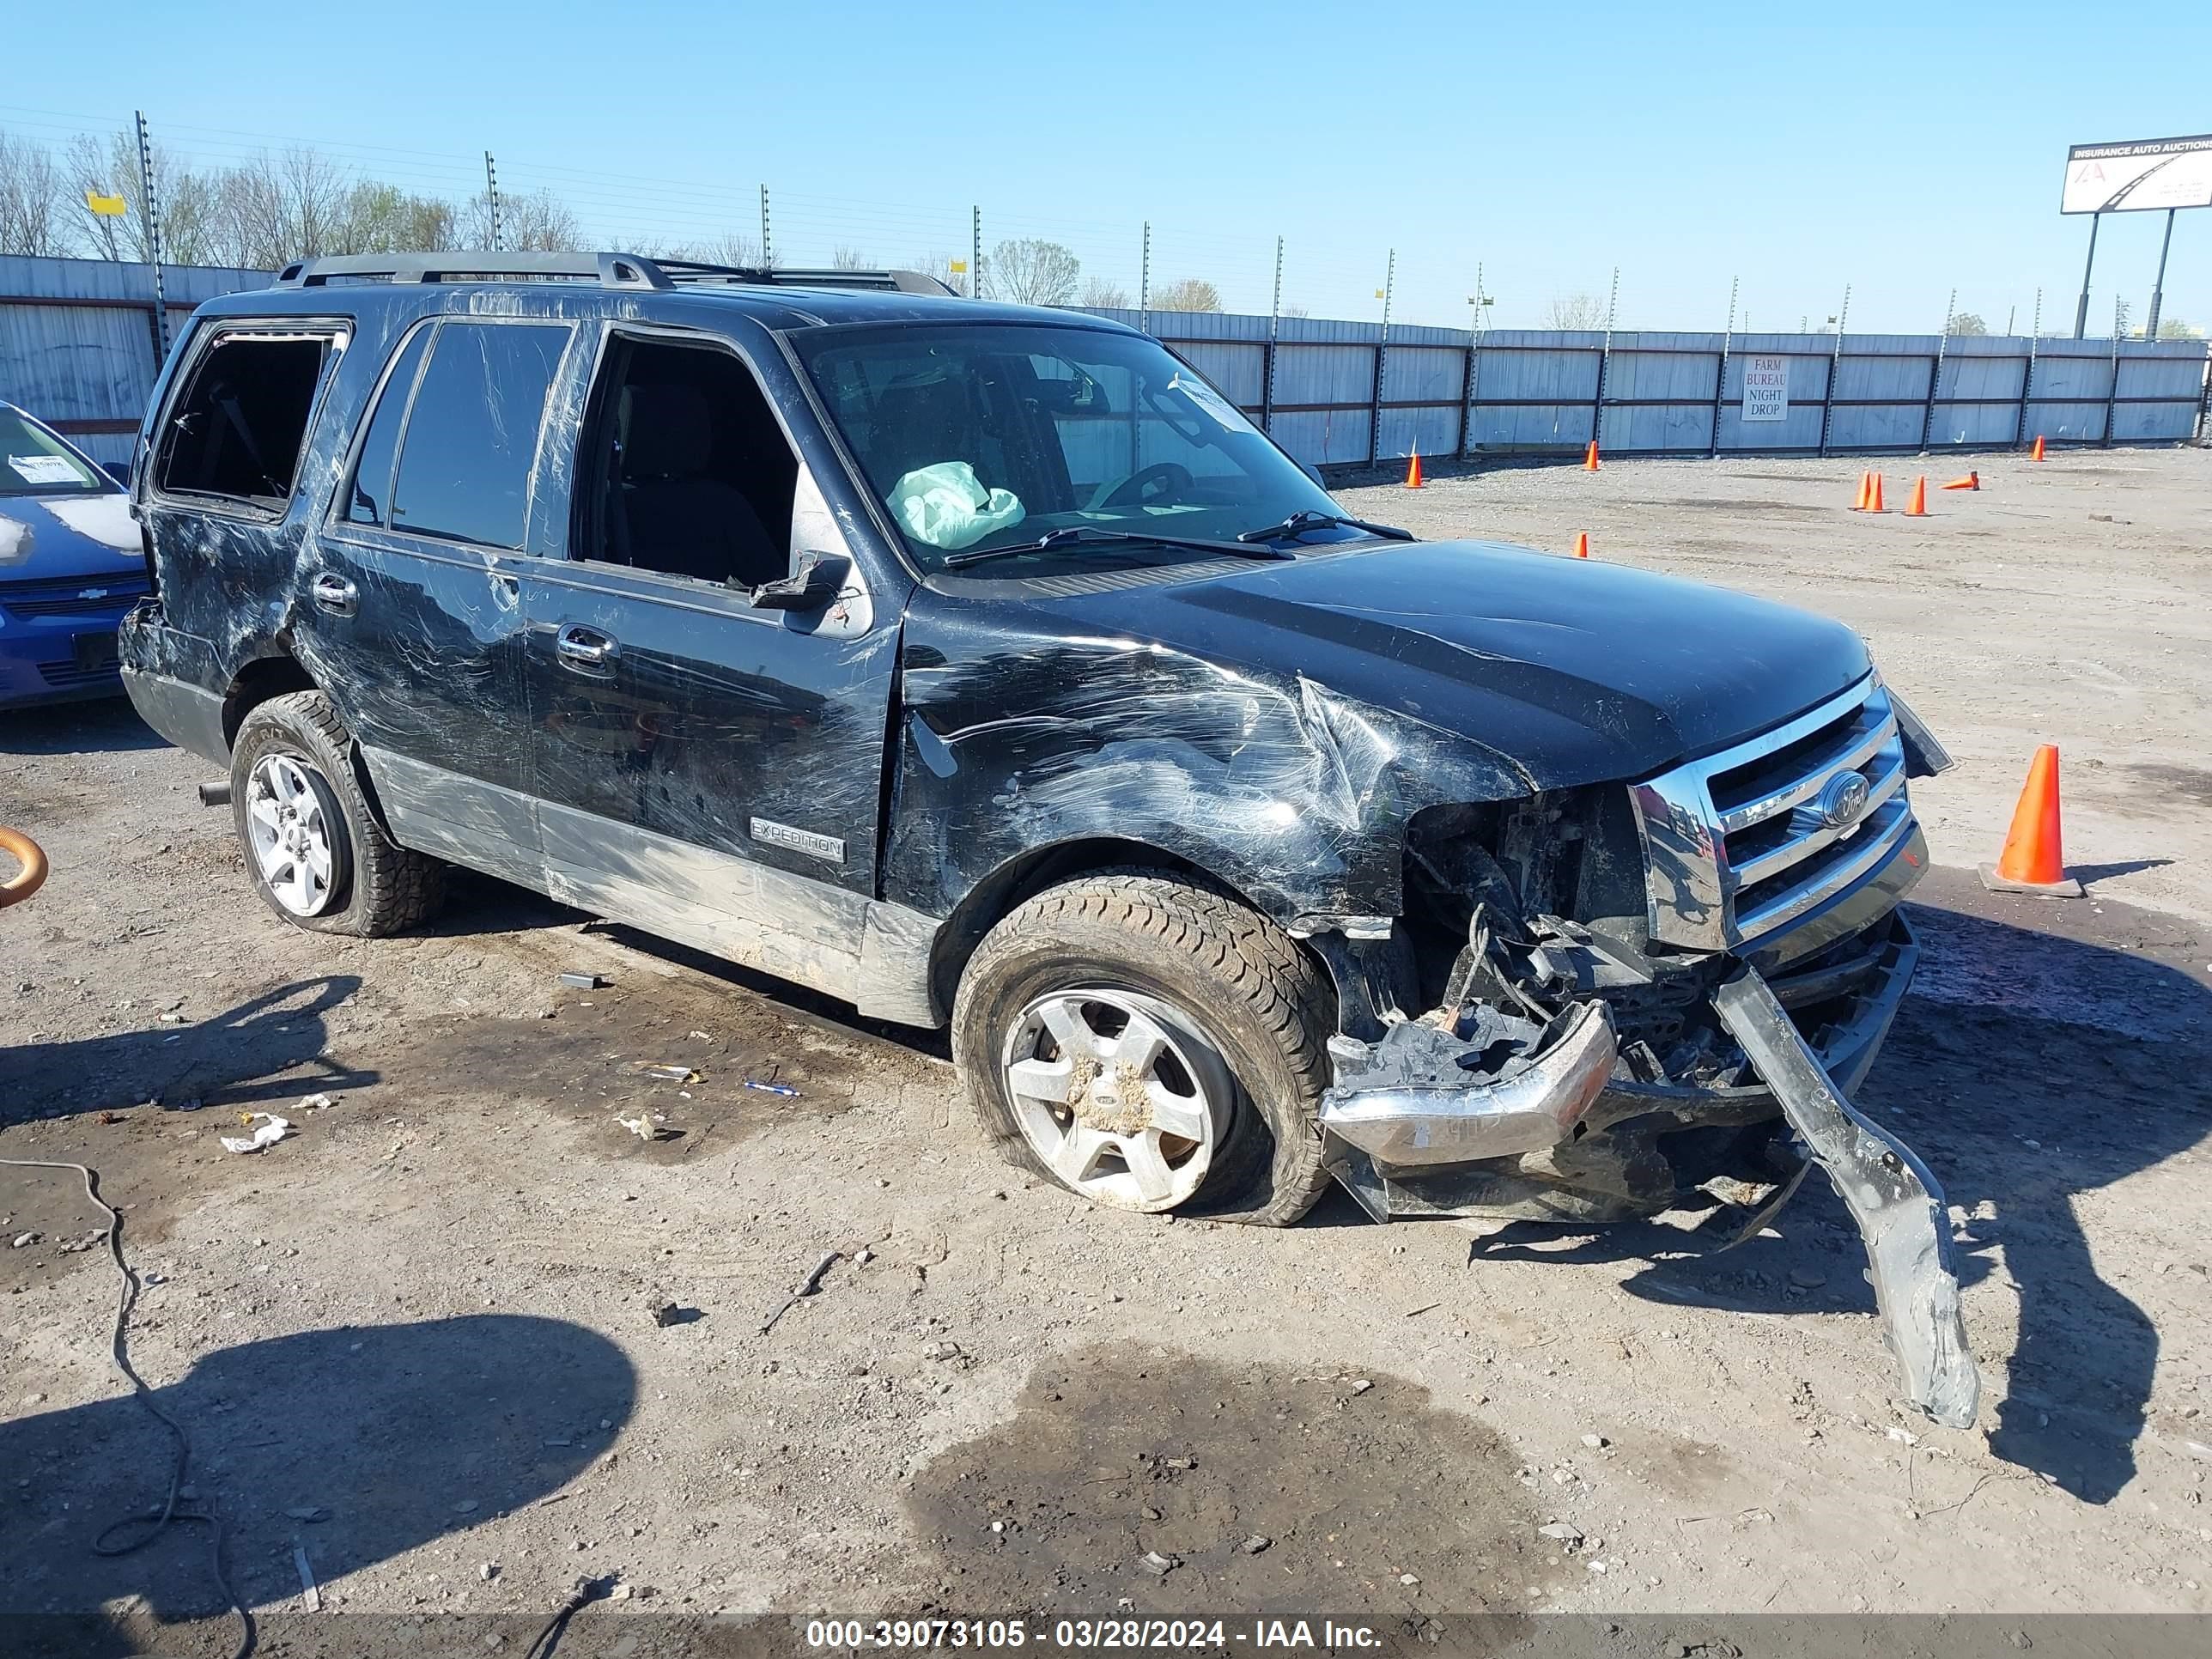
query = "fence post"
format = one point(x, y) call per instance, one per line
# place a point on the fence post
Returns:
point(1835, 363)
point(768, 246)
point(1935, 372)
point(2112, 391)
point(153, 211)
point(1465, 400)
point(2027, 374)
point(491, 198)
point(1274, 333)
point(1720, 371)
point(1604, 360)
point(1381, 357)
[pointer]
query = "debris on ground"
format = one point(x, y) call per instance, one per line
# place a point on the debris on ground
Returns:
point(310, 1597)
point(783, 1088)
point(1158, 1565)
point(807, 1287)
point(273, 1129)
point(1596, 1441)
point(584, 982)
point(645, 1125)
point(308, 1513)
point(1565, 1531)
point(670, 1073)
point(315, 1102)
point(666, 1312)
point(1256, 1543)
point(24, 1241)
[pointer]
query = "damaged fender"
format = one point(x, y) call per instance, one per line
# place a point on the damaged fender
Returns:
point(1891, 1194)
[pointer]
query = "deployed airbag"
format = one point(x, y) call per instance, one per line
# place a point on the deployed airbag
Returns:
point(947, 506)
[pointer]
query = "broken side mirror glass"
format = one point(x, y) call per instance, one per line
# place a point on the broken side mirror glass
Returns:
point(820, 578)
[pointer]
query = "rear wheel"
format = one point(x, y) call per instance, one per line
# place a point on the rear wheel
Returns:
point(315, 852)
point(1150, 1045)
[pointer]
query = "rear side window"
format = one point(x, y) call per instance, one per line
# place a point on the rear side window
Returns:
point(471, 440)
point(237, 431)
point(380, 451)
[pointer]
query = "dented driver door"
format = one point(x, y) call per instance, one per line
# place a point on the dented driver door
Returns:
point(707, 769)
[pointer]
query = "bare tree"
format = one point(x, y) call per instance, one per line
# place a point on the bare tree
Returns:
point(843, 257)
point(1188, 294)
point(1032, 272)
point(2173, 328)
point(1101, 295)
point(532, 221)
point(730, 248)
point(278, 207)
point(1575, 310)
point(33, 200)
point(1967, 323)
point(190, 203)
point(382, 218)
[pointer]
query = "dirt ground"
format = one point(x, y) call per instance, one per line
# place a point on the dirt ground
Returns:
point(414, 1345)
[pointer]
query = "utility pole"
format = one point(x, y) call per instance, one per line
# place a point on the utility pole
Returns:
point(1144, 283)
point(2158, 285)
point(491, 195)
point(767, 246)
point(152, 209)
point(2081, 310)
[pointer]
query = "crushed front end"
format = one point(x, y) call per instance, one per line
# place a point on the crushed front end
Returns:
point(1634, 993)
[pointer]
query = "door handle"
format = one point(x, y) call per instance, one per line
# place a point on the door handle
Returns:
point(336, 595)
point(585, 650)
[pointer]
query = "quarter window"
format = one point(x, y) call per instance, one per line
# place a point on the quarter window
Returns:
point(372, 474)
point(465, 464)
point(237, 431)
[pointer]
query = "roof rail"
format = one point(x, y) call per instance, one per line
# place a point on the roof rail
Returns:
point(609, 270)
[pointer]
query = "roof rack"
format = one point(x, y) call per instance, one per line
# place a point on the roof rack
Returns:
point(609, 270)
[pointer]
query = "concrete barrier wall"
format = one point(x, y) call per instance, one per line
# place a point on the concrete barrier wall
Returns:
point(77, 349)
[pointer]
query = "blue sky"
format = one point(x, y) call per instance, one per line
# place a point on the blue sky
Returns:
point(1901, 149)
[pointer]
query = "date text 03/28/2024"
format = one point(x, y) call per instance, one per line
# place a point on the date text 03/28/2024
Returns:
point(1087, 1634)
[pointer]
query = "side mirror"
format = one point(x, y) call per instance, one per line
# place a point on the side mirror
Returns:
point(1314, 472)
point(819, 579)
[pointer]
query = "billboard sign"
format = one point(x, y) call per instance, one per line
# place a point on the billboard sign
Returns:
point(1765, 388)
point(2136, 178)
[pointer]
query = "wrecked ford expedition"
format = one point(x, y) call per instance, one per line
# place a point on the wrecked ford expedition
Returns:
point(983, 665)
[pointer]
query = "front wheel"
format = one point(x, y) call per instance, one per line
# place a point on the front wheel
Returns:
point(1150, 1045)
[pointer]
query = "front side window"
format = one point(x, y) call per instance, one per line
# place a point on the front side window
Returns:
point(236, 432)
point(34, 462)
point(985, 435)
point(471, 439)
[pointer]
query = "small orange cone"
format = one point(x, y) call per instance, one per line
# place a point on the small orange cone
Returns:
point(1972, 481)
point(1413, 472)
point(2037, 454)
point(1582, 544)
point(1874, 497)
point(1917, 506)
point(2032, 862)
point(1590, 460)
point(1866, 492)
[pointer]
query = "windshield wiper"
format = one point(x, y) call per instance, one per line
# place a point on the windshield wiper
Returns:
point(1072, 535)
point(1304, 520)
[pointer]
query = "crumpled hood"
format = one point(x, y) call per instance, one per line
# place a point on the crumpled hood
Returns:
point(68, 535)
point(1577, 671)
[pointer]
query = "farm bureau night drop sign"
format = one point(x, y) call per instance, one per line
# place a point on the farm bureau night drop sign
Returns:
point(1765, 388)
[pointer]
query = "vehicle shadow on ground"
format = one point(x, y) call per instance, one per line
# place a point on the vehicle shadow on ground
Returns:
point(354, 1445)
point(2029, 1070)
point(75, 728)
point(270, 1048)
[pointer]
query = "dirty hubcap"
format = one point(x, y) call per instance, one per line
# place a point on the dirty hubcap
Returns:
point(289, 831)
point(1119, 1095)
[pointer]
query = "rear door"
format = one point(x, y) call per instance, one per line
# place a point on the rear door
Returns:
point(707, 769)
point(412, 618)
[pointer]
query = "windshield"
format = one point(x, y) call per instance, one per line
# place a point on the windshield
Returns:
point(34, 462)
point(995, 434)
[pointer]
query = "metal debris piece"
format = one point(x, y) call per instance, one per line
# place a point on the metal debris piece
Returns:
point(1896, 1203)
point(811, 1284)
point(1158, 1565)
point(310, 1597)
point(1566, 1532)
point(671, 1073)
point(584, 982)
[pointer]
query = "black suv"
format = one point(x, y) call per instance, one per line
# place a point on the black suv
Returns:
point(983, 664)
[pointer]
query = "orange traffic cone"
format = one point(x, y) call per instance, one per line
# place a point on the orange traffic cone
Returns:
point(1866, 492)
point(1590, 460)
point(1582, 544)
point(1972, 481)
point(1917, 506)
point(2036, 454)
point(1874, 496)
point(2032, 862)
point(1413, 472)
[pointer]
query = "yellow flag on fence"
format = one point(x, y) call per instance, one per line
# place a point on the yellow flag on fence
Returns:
point(107, 207)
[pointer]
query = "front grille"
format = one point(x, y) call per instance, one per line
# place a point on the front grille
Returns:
point(63, 596)
point(65, 676)
point(1742, 843)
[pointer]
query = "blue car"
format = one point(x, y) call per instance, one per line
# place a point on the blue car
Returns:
point(70, 564)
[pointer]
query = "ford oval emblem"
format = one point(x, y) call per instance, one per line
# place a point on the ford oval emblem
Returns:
point(1844, 799)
